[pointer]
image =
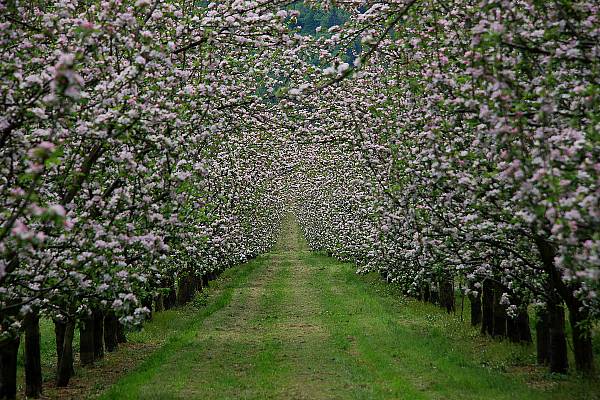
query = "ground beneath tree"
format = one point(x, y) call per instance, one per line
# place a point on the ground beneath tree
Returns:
point(299, 325)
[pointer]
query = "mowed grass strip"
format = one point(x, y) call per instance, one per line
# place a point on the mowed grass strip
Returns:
point(300, 325)
point(144, 381)
point(404, 349)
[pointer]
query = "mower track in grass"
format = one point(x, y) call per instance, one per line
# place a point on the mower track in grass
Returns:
point(299, 325)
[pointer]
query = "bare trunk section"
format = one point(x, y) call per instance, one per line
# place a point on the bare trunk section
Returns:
point(98, 316)
point(8, 368)
point(33, 362)
point(499, 312)
point(60, 327)
point(556, 315)
point(86, 341)
point(159, 304)
point(447, 294)
point(582, 339)
point(542, 331)
point(185, 289)
point(121, 336)
point(170, 298)
point(475, 301)
point(558, 343)
point(487, 320)
point(111, 325)
point(65, 366)
point(518, 327)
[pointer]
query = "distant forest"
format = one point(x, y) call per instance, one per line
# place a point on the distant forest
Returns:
point(310, 18)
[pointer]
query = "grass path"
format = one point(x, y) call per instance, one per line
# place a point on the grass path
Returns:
point(298, 325)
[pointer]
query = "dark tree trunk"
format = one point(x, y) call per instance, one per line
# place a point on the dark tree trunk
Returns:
point(197, 283)
point(86, 341)
point(556, 315)
point(447, 294)
point(170, 299)
point(487, 302)
point(185, 290)
point(518, 327)
point(98, 316)
point(475, 308)
point(205, 280)
point(33, 362)
point(121, 337)
point(8, 368)
point(111, 324)
point(65, 367)
point(59, 332)
point(426, 293)
point(434, 295)
point(499, 327)
point(512, 330)
point(159, 304)
point(558, 343)
point(582, 339)
point(542, 333)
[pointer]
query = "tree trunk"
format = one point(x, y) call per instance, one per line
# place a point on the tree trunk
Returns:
point(171, 297)
point(499, 310)
point(185, 290)
point(59, 332)
point(556, 315)
point(434, 295)
point(121, 337)
point(205, 280)
point(475, 308)
point(582, 339)
point(8, 368)
point(512, 330)
point(447, 294)
point(487, 316)
point(159, 304)
point(542, 333)
point(197, 283)
point(425, 293)
point(86, 341)
point(110, 331)
point(33, 362)
point(517, 327)
point(520, 325)
point(65, 367)
point(558, 343)
point(98, 316)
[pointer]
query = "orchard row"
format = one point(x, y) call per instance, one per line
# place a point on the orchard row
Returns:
point(126, 178)
point(460, 149)
point(145, 146)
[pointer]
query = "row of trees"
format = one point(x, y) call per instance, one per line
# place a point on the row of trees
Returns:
point(464, 152)
point(126, 181)
point(147, 145)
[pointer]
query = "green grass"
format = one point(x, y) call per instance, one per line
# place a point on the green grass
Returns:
point(436, 354)
point(166, 331)
point(295, 324)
